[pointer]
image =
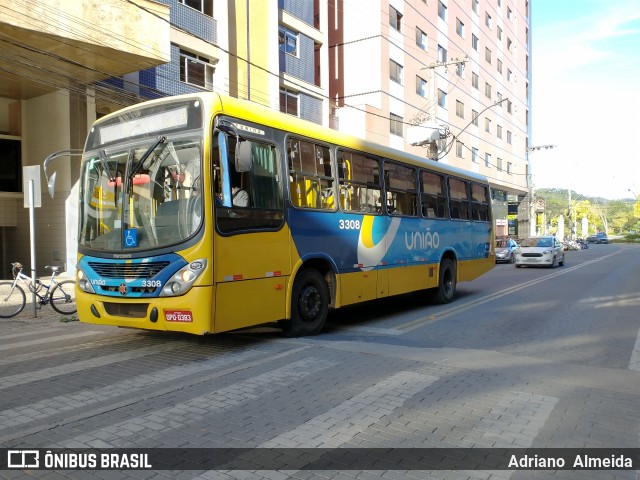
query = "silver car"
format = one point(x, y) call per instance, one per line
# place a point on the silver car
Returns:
point(504, 250)
point(540, 251)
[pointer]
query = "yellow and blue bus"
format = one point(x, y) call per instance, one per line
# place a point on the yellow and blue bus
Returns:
point(204, 213)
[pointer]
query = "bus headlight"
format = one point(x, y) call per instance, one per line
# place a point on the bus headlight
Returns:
point(83, 282)
point(184, 278)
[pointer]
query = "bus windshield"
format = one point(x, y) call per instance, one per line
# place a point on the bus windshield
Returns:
point(144, 196)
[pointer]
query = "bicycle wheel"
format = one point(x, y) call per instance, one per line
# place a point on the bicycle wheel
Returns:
point(63, 297)
point(12, 299)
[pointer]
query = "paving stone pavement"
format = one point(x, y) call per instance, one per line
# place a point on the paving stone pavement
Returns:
point(82, 386)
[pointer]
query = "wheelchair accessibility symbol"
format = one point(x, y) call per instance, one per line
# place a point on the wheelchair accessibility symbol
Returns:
point(130, 238)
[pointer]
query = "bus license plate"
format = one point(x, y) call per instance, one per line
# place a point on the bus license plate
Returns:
point(180, 316)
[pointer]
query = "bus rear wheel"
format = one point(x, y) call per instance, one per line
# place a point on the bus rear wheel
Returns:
point(309, 305)
point(446, 289)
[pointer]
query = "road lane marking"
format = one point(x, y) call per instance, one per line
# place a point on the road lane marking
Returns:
point(343, 422)
point(47, 373)
point(27, 333)
point(193, 411)
point(412, 325)
point(28, 413)
point(40, 341)
point(634, 362)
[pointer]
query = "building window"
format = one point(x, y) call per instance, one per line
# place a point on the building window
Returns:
point(11, 155)
point(487, 90)
point(487, 20)
point(509, 13)
point(508, 137)
point(474, 155)
point(499, 99)
point(289, 101)
point(459, 149)
point(196, 70)
point(487, 160)
point(421, 86)
point(509, 44)
point(509, 168)
point(499, 131)
point(487, 125)
point(475, 80)
point(474, 5)
point(474, 42)
point(396, 125)
point(442, 10)
point(509, 106)
point(395, 71)
point(499, 164)
point(421, 39)
point(203, 6)
point(442, 54)
point(288, 41)
point(395, 19)
point(460, 69)
point(487, 55)
point(459, 109)
point(499, 33)
point(509, 75)
point(499, 65)
point(474, 117)
point(459, 28)
point(442, 98)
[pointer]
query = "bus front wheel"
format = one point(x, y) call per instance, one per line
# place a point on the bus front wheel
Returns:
point(446, 289)
point(309, 305)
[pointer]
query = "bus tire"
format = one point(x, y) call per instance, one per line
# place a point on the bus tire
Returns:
point(446, 289)
point(309, 305)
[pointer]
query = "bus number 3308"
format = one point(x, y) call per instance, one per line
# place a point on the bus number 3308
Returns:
point(349, 224)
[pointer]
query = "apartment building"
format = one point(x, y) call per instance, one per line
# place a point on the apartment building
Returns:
point(444, 79)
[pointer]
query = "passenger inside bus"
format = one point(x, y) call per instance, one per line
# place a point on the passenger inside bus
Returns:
point(239, 197)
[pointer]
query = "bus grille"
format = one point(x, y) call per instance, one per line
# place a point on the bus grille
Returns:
point(128, 270)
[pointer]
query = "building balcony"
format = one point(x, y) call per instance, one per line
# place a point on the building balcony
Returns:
point(51, 45)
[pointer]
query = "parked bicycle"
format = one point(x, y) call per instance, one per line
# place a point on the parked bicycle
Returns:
point(61, 295)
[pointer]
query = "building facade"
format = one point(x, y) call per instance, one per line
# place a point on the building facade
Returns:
point(443, 79)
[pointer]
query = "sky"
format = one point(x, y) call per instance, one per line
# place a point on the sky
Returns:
point(586, 96)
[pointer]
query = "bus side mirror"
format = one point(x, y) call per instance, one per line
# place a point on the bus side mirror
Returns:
point(243, 156)
point(51, 184)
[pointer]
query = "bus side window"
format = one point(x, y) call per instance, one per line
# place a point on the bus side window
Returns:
point(360, 183)
point(402, 193)
point(459, 199)
point(311, 180)
point(480, 205)
point(433, 196)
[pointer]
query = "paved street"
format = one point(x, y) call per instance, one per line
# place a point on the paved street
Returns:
point(524, 358)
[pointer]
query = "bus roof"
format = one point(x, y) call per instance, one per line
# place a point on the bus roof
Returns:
point(257, 113)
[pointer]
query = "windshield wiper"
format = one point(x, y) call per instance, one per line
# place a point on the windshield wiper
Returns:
point(102, 156)
point(146, 154)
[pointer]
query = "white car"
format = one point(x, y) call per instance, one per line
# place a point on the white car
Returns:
point(540, 251)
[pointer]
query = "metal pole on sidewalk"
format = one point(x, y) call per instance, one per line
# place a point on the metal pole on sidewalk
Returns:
point(32, 229)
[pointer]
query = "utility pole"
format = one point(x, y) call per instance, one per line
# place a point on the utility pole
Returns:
point(531, 207)
point(433, 97)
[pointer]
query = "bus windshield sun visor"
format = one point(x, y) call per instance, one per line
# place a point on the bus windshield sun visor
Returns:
point(243, 148)
point(243, 156)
